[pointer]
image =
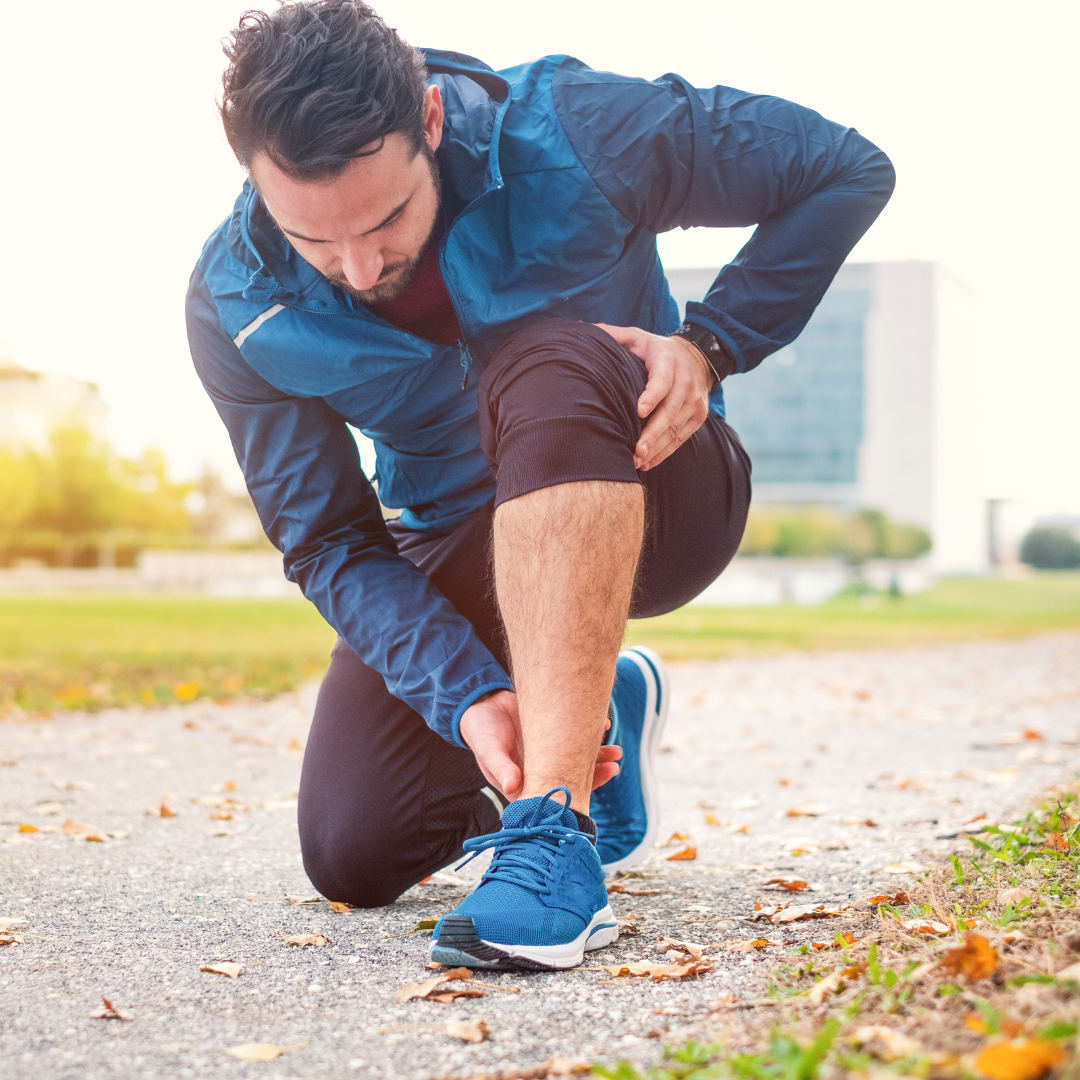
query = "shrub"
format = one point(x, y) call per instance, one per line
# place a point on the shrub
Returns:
point(1050, 549)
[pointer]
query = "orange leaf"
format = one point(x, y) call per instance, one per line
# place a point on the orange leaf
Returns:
point(1055, 842)
point(712, 819)
point(28, 828)
point(1022, 1059)
point(976, 958)
point(423, 989)
point(1031, 733)
point(676, 838)
point(683, 854)
point(164, 811)
point(793, 886)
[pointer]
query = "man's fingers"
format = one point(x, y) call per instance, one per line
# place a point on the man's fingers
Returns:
point(626, 336)
point(604, 773)
point(658, 388)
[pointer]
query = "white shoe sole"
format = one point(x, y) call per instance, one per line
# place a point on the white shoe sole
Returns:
point(653, 670)
point(602, 930)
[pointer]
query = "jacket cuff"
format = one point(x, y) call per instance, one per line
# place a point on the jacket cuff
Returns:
point(725, 338)
point(469, 699)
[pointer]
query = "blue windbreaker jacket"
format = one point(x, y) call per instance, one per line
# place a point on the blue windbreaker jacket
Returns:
point(556, 180)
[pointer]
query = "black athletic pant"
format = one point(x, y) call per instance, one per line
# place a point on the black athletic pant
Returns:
point(384, 801)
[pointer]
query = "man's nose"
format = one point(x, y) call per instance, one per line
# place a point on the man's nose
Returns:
point(362, 267)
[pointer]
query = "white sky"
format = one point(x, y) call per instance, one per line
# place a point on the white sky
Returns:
point(115, 170)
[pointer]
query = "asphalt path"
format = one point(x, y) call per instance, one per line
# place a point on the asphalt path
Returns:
point(917, 742)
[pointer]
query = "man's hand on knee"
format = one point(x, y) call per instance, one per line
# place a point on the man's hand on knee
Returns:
point(492, 729)
point(676, 397)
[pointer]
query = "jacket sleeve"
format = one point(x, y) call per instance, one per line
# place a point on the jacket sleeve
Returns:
point(303, 472)
point(665, 154)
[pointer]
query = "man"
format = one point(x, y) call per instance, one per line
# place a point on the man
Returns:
point(424, 250)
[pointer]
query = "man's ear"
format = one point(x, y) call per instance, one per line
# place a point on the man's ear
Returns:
point(433, 117)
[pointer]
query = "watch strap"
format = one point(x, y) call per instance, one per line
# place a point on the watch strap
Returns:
point(716, 353)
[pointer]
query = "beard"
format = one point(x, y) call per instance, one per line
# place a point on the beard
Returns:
point(394, 279)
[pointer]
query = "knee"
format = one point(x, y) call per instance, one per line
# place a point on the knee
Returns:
point(364, 872)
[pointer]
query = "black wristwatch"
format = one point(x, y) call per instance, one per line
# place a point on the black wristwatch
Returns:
point(711, 347)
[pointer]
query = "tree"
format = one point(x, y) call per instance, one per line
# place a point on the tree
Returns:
point(1050, 549)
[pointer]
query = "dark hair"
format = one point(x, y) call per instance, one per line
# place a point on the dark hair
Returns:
point(316, 83)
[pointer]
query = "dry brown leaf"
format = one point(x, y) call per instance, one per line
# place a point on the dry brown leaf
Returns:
point(786, 913)
point(712, 819)
point(470, 1031)
point(1020, 1059)
point(423, 989)
point(868, 822)
point(110, 1012)
point(675, 838)
point(657, 972)
point(225, 967)
point(689, 948)
point(926, 926)
point(976, 958)
point(10, 937)
point(29, 828)
point(884, 1043)
point(683, 854)
point(627, 928)
point(340, 908)
point(910, 784)
point(307, 939)
point(748, 946)
point(738, 828)
point(80, 830)
point(831, 984)
point(810, 809)
point(1014, 896)
point(257, 1051)
point(788, 884)
point(164, 811)
point(896, 898)
point(615, 887)
point(1055, 841)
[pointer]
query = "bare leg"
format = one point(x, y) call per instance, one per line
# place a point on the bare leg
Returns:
point(565, 559)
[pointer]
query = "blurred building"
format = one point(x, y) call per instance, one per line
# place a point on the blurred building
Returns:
point(33, 403)
point(871, 406)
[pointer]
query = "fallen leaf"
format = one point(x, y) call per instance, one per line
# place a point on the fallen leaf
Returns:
point(164, 811)
point(976, 958)
point(738, 828)
point(80, 829)
point(829, 985)
point(712, 819)
point(110, 1012)
point(257, 1051)
point(294, 744)
point(1055, 842)
point(787, 884)
point(341, 909)
point(7, 924)
point(300, 901)
point(226, 967)
point(896, 898)
point(615, 887)
point(29, 828)
point(220, 815)
point(683, 854)
point(423, 989)
point(675, 838)
point(627, 928)
point(908, 784)
point(1031, 733)
point(8, 937)
point(307, 939)
point(926, 926)
point(657, 972)
point(470, 1031)
point(905, 868)
point(1014, 896)
point(785, 913)
point(1021, 1059)
point(1009, 1028)
point(884, 1043)
point(748, 946)
point(868, 822)
point(689, 948)
point(46, 809)
point(810, 809)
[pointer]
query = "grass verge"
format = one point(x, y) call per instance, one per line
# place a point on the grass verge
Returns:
point(956, 609)
point(974, 974)
point(91, 652)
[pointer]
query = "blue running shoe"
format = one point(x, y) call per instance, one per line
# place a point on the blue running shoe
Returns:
point(627, 809)
point(542, 901)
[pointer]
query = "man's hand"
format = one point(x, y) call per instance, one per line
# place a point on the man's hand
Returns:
point(492, 729)
point(676, 395)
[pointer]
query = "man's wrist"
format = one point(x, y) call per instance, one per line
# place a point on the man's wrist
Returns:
point(719, 360)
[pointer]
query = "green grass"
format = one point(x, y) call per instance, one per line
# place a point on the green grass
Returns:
point(955, 609)
point(89, 652)
point(84, 652)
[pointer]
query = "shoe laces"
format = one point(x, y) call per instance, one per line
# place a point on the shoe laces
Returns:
point(541, 834)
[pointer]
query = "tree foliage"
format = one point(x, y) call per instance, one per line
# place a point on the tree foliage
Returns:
point(819, 532)
point(1050, 549)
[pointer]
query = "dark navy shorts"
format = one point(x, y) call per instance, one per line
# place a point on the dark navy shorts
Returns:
point(384, 801)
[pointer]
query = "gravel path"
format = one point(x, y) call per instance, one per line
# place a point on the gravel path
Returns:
point(917, 741)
